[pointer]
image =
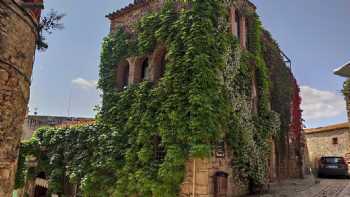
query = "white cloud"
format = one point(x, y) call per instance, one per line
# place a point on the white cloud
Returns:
point(85, 84)
point(320, 105)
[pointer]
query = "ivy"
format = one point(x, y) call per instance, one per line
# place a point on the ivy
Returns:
point(204, 96)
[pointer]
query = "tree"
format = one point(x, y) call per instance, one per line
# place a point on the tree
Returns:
point(47, 25)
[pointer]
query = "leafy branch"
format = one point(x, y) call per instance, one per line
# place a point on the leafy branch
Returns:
point(47, 25)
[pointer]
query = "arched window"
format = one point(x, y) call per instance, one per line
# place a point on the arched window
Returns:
point(220, 184)
point(145, 75)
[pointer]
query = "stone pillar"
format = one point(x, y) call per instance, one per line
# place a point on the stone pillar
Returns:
point(346, 92)
point(17, 48)
point(135, 71)
point(233, 22)
point(243, 30)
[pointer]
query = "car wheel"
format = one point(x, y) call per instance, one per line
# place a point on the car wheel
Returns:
point(319, 175)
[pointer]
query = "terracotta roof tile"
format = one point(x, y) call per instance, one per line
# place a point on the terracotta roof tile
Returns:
point(81, 122)
point(328, 128)
point(131, 6)
point(140, 3)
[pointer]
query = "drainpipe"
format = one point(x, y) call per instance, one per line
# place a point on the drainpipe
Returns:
point(194, 179)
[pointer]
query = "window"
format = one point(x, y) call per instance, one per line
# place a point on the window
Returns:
point(123, 75)
point(220, 149)
point(145, 70)
point(220, 184)
point(159, 149)
point(126, 76)
point(238, 23)
point(335, 140)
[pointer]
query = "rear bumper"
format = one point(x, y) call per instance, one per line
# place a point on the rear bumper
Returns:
point(333, 172)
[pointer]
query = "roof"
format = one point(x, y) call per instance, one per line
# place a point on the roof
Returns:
point(329, 128)
point(251, 4)
point(140, 3)
point(76, 123)
point(136, 4)
point(344, 70)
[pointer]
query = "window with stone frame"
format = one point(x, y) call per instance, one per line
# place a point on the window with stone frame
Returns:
point(220, 149)
point(335, 141)
point(220, 184)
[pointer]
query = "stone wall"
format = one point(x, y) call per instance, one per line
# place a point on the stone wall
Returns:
point(33, 122)
point(322, 144)
point(200, 173)
point(128, 18)
point(200, 178)
point(17, 48)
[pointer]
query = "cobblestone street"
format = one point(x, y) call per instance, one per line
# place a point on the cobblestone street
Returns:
point(310, 188)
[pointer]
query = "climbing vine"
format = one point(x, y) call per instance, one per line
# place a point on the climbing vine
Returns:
point(204, 96)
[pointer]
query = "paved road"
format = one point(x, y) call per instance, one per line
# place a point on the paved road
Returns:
point(308, 188)
point(332, 188)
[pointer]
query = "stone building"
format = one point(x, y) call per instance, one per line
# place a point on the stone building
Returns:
point(39, 186)
point(332, 140)
point(18, 37)
point(33, 122)
point(212, 176)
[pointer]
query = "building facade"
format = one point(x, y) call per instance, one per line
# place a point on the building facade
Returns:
point(332, 140)
point(170, 126)
point(18, 37)
point(204, 177)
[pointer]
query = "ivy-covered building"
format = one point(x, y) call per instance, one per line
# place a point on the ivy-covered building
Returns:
point(198, 100)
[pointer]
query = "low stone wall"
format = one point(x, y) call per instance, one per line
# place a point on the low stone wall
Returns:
point(17, 50)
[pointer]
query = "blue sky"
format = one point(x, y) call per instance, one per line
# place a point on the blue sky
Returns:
point(313, 33)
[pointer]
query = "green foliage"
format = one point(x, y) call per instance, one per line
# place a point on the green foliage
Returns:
point(205, 95)
point(281, 90)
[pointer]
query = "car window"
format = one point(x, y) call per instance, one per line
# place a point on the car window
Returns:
point(332, 160)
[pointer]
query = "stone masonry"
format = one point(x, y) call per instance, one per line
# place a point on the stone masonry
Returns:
point(333, 140)
point(17, 49)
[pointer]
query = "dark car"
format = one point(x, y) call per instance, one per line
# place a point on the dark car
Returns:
point(333, 166)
